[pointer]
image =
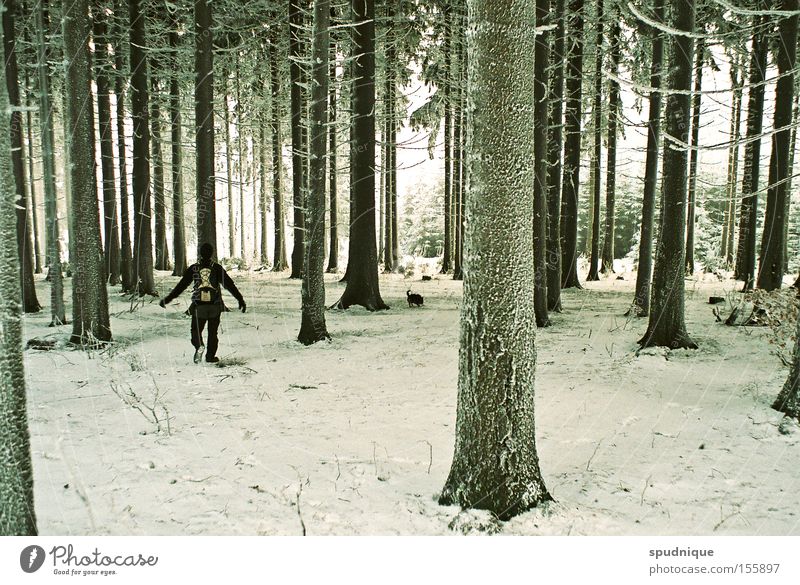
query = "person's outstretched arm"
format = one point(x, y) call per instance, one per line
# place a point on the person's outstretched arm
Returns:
point(184, 282)
point(229, 285)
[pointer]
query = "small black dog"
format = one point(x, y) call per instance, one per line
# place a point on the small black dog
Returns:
point(414, 299)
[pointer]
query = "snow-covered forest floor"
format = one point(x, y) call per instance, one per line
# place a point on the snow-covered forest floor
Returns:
point(356, 436)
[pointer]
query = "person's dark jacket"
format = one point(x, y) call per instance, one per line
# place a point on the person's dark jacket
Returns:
point(192, 276)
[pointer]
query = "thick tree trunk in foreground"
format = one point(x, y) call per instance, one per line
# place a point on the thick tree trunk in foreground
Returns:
point(17, 516)
point(770, 270)
point(541, 61)
point(90, 322)
point(667, 327)
point(204, 124)
point(312, 327)
point(30, 304)
point(572, 148)
point(554, 151)
point(495, 464)
point(58, 313)
point(362, 265)
point(641, 301)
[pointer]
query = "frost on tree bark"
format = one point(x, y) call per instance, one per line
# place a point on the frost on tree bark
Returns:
point(30, 304)
point(788, 400)
point(541, 61)
point(299, 155)
point(143, 281)
point(693, 157)
point(607, 255)
point(58, 314)
point(279, 248)
point(126, 254)
point(90, 322)
point(667, 327)
point(176, 140)
point(495, 464)
point(641, 301)
point(17, 515)
point(572, 147)
point(312, 327)
point(204, 124)
point(102, 64)
point(770, 270)
point(362, 265)
point(554, 151)
point(597, 115)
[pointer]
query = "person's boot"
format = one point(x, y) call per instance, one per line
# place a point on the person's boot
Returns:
point(198, 353)
point(212, 359)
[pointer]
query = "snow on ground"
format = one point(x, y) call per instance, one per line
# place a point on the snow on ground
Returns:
point(355, 436)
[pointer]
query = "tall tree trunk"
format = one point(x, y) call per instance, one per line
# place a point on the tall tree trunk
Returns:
point(391, 144)
point(57, 309)
point(32, 207)
point(572, 148)
point(554, 151)
point(362, 269)
point(541, 62)
point(176, 144)
point(18, 517)
point(447, 90)
point(641, 301)
point(279, 249)
point(102, 64)
point(495, 464)
point(30, 304)
point(458, 140)
point(613, 124)
point(126, 254)
point(312, 327)
point(695, 153)
point(142, 216)
point(159, 196)
point(226, 116)
point(299, 158)
point(733, 165)
point(746, 250)
point(90, 322)
point(241, 175)
point(333, 244)
point(667, 326)
point(263, 152)
point(204, 123)
point(597, 175)
point(770, 270)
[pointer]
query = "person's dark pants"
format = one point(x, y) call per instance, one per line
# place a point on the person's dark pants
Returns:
point(198, 325)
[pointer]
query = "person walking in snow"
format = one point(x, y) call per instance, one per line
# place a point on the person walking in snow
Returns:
point(207, 305)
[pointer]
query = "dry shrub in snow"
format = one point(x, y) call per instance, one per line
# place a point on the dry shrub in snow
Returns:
point(777, 310)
